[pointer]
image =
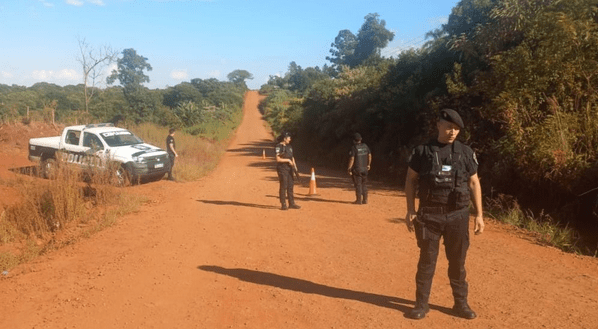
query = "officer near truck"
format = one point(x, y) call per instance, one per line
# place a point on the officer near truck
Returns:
point(445, 170)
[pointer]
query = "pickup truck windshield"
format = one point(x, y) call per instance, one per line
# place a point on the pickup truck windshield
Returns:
point(120, 138)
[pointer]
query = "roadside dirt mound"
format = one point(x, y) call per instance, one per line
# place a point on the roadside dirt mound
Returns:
point(17, 135)
point(14, 140)
point(218, 253)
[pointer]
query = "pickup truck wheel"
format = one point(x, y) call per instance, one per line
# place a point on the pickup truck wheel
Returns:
point(122, 176)
point(48, 168)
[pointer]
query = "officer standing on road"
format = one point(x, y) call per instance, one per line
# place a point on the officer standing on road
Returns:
point(285, 164)
point(170, 148)
point(359, 165)
point(446, 172)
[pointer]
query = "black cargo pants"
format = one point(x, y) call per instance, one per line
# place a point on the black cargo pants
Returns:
point(285, 177)
point(430, 226)
point(171, 157)
point(360, 179)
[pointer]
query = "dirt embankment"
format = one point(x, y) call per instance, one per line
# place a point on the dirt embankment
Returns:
point(218, 253)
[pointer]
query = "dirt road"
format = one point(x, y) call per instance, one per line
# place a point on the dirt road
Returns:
point(218, 253)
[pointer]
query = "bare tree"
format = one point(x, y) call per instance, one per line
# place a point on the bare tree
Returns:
point(93, 63)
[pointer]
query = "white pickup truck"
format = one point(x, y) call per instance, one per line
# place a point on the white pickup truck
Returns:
point(101, 146)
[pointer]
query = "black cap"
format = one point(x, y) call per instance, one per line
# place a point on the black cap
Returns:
point(452, 116)
point(356, 137)
point(286, 134)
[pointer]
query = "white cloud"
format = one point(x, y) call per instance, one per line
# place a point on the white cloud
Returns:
point(436, 22)
point(62, 75)
point(215, 74)
point(46, 3)
point(7, 75)
point(77, 3)
point(41, 75)
point(80, 3)
point(179, 75)
point(396, 47)
point(67, 74)
point(110, 68)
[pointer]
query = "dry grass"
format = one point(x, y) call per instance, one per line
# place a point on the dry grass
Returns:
point(197, 156)
point(58, 212)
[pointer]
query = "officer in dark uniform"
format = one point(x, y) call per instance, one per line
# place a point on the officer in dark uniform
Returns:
point(285, 164)
point(171, 149)
point(446, 172)
point(359, 165)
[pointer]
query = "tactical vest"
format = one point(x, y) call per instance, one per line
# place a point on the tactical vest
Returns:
point(444, 184)
point(285, 152)
point(360, 151)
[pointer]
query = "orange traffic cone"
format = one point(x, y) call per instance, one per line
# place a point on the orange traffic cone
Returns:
point(312, 183)
point(264, 154)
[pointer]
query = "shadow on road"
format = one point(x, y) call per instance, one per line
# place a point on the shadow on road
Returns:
point(311, 198)
point(237, 203)
point(256, 149)
point(325, 177)
point(308, 287)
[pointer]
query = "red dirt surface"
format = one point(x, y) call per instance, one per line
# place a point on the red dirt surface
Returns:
point(218, 253)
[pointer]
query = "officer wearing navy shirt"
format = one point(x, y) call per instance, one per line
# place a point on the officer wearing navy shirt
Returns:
point(285, 163)
point(359, 165)
point(445, 170)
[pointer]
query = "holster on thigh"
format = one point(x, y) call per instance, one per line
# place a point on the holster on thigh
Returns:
point(426, 229)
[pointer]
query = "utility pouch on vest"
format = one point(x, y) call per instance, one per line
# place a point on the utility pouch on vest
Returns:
point(443, 179)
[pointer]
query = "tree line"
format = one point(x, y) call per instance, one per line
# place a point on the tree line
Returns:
point(195, 106)
point(522, 73)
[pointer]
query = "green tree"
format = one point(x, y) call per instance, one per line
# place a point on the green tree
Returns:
point(352, 50)
point(130, 74)
point(371, 38)
point(182, 93)
point(343, 49)
point(239, 77)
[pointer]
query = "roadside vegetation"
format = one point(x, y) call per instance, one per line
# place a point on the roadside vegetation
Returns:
point(58, 212)
point(52, 213)
point(522, 73)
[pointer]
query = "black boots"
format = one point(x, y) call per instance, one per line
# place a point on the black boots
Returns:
point(291, 206)
point(419, 311)
point(463, 310)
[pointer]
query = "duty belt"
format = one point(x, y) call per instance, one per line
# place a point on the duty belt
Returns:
point(438, 209)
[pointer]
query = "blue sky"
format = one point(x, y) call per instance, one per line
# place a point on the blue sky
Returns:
point(188, 39)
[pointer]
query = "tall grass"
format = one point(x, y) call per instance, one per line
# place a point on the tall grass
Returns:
point(67, 203)
point(542, 227)
point(197, 155)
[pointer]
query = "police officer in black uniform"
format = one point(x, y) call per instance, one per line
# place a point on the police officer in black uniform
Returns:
point(446, 172)
point(171, 149)
point(285, 164)
point(359, 165)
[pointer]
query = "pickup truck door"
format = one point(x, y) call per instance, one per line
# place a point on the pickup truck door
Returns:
point(72, 150)
point(95, 151)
